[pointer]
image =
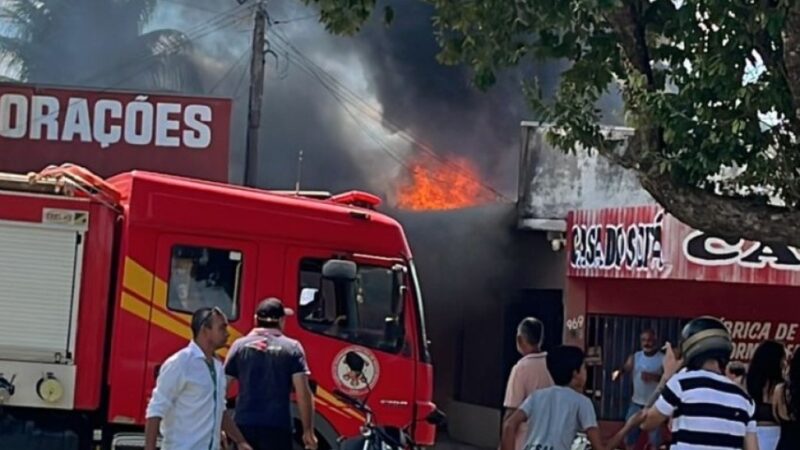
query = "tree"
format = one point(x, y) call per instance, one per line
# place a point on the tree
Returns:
point(93, 42)
point(712, 89)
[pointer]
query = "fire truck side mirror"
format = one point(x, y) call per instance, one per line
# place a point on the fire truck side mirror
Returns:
point(339, 270)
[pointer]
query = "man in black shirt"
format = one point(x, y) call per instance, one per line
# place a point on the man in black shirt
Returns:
point(268, 364)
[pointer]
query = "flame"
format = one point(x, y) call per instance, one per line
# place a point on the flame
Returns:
point(454, 183)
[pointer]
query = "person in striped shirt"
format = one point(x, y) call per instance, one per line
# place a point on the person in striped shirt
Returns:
point(707, 410)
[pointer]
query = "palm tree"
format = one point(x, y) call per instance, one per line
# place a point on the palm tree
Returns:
point(98, 43)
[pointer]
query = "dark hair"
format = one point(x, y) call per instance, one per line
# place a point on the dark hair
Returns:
point(649, 331)
point(765, 369)
point(202, 318)
point(793, 386)
point(532, 330)
point(562, 363)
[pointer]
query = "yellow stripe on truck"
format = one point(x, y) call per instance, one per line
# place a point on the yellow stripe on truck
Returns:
point(137, 279)
point(160, 293)
point(135, 306)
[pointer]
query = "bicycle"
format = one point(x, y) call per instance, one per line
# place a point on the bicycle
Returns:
point(373, 436)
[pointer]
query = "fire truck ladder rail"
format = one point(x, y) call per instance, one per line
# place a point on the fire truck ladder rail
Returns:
point(67, 179)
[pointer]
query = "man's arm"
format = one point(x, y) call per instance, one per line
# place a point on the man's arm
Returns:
point(168, 385)
point(751, 441)
point(510, 428)
point(305, 403)
point(514, 394)
point(593, 434)
point(230, 429)
point(151, 432)
point(653, 419)
point(668, 391)
point(628, 366)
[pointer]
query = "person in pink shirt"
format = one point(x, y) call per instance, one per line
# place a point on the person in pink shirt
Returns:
point(529, 373)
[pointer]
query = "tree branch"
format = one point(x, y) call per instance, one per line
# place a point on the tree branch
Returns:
point(626, 23)
point(791, 55)
point(726, 217)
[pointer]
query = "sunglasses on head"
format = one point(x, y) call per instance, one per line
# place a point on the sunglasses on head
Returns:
point(209, 313)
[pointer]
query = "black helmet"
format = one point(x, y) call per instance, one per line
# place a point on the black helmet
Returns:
point(707, 338)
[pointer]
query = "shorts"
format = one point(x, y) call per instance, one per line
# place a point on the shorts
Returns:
point(633, 436)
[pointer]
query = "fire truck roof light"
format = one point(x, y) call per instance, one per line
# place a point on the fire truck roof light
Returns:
point(357, 198)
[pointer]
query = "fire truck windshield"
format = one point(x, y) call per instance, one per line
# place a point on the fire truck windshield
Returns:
point(362, 315)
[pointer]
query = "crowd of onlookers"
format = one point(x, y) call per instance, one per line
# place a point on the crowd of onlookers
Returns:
point(690, 398)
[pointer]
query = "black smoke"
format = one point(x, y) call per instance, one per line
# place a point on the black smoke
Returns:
point(392, 68)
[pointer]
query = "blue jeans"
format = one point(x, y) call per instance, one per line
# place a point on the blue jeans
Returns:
point(633, 436)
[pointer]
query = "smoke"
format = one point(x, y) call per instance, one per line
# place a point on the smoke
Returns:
point(339, 100)
point(473, 264)
point(393, 70)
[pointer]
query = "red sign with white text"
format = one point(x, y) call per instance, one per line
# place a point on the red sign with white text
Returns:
point(646, 242)
point(110, 132)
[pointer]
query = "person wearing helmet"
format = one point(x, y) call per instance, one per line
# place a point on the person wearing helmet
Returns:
point(708, 410)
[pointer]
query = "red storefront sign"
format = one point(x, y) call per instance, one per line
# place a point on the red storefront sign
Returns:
point(111, 132)
point(640, 261)
point(645, 242)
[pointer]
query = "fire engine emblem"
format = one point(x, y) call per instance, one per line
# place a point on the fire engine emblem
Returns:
point(355, 370)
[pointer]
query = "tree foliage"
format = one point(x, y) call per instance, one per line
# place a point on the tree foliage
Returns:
point(97, 43)
point(712, 89)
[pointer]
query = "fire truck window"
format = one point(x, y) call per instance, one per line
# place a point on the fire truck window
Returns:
point(202, 277)
point(361, 319)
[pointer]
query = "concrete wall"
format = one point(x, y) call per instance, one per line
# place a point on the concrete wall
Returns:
point(553, 182)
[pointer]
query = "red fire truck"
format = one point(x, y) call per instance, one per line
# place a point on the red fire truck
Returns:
point(638, 267)
point(98, 278)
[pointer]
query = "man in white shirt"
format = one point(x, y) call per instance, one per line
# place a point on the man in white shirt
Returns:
point(188, 402)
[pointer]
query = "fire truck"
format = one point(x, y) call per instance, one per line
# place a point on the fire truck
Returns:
point(99, 277)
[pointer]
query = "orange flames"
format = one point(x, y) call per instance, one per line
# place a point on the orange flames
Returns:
point(432, 184)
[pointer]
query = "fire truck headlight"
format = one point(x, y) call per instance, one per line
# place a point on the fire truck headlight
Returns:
point(50, 389)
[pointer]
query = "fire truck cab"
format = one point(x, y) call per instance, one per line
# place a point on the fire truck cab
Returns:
point(98, 280)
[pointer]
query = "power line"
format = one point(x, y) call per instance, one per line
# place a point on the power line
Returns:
point(296, 19)
point(240, 84)
point(377, 116)
point(364, 127)
point(204, 29)
point(199, 31)
point(239, 60)
point(381, 142)
point(333, 84)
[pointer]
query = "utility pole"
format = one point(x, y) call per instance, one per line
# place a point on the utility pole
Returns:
point(256, 92)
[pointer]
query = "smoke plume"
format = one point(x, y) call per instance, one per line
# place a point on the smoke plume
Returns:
point(349, 104)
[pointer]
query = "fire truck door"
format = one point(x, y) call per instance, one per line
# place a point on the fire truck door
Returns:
point(196, 272)
point(356, 345)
